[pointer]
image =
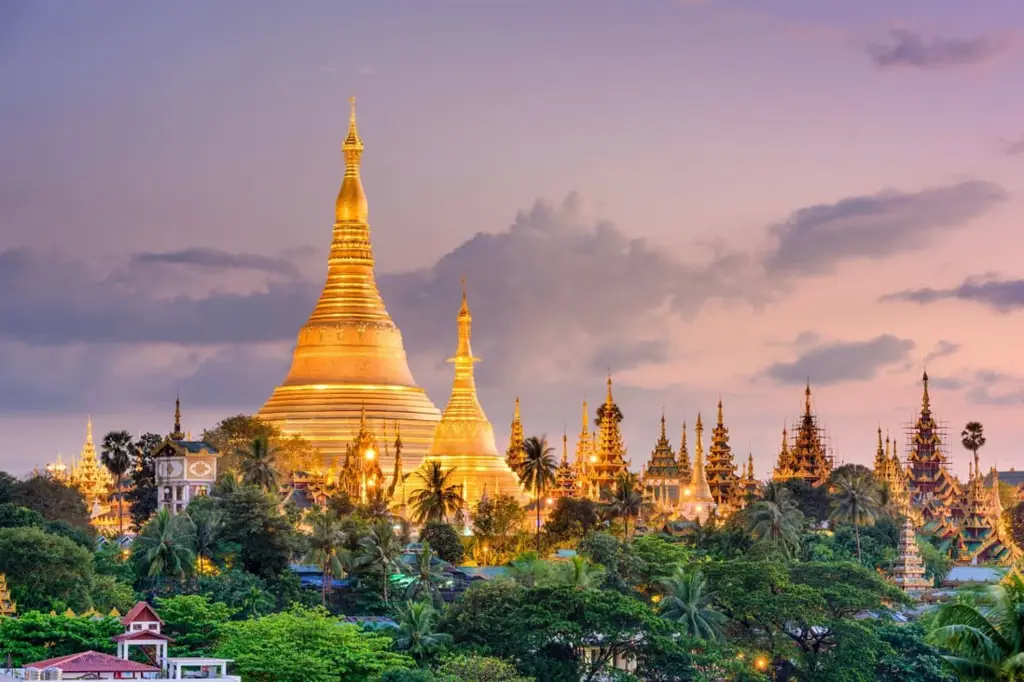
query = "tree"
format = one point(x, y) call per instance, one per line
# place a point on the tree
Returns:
point(142, 497)
point(35, 636)
point(471, 668)
point(529, 570)
point(254, 523)
point(204, 528)
point(537, 472)
point(973, 438)
point(425, 576)
point(986, 639)
point(54, 500)
point(687, 602)
point(326, 547)
point(856, 502)
point(45, 571)
point(380, 550)
point(306, 645)
point(162, 548)
point(417, 630)
point(496, 520)
point(627, 501)
point(257, 462)
point(572, 518)
point(117, 454)
point(193, 621)
point(15, 516)
point(435, 496)
point(444, 540)
point(579, 573)
point(774, 520)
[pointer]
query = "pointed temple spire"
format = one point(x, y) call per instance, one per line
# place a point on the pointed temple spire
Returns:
point(177, 434)
point(464, 438)
point(610, 452)
point(349, 354)
point(721, 468)
point(514, 453)
point(808, 458)
point(699, 488)
point(685, 472)
point(926, 403)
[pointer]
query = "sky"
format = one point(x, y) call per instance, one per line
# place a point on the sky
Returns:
point(717, 199)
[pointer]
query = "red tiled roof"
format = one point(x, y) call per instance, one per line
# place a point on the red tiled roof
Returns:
point(141, 634)
point(139, 610)
point(93, 662)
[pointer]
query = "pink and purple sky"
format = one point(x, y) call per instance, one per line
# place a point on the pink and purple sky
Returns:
point(709, 198)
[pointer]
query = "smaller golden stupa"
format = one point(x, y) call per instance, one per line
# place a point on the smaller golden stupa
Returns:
point(89, 475)
point(464, 438)
point(8, 607)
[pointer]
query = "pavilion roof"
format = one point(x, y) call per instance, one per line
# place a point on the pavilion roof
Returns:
point(141, 612)
point(136, 635)
point(93, 662)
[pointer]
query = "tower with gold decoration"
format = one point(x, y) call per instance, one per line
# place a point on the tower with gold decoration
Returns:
point(721, 469)
point(698, 502)
point(349, 355)
point(609, 460)
point(464, 438)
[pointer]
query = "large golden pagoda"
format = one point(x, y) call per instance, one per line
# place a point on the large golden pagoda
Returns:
point(464, 438)
point(349, 354)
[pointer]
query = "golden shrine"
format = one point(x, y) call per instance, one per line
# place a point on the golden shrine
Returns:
point(361, 476)
point(607, 459)
point(464, 438)
point(8, 607)
point(349, 355)
point(805, 457)
point(725, 484)
point(91, 478)
point(698, 501)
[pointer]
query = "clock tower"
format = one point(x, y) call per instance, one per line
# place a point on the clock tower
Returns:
point(185, 468)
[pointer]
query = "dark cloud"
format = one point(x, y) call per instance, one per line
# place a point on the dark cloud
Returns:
point(842, 361)
point(905, 48)
point(1002, 295)
point(815, 239)
point(1014, 148)
point(942, 349)
point(216, 259)
point(947, 383)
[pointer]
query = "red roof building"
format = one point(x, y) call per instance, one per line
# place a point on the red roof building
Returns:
point(94, 665)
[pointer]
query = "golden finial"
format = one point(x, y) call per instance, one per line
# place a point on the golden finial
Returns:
point(351, 205)
point(515, 415)
point(925, 400)
point(608, 398)
point(586, 417)
point(565, 445)
point(807, 397)
point(720, 420)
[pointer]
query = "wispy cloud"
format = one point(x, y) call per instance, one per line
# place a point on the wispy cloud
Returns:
point(1001, 295)
point(908, 49)
point(842, 361)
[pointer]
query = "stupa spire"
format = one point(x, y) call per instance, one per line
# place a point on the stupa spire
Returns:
point(701, 489)
point(926, 403)
point(464, 438)
point(349, 354)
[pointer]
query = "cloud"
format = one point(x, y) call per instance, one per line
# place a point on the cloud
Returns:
point(905, 48)
point(214, 258)
point(1014, 147)
point(814, 240)
point(1001, 295)
point(842, 361)
point(942, 349)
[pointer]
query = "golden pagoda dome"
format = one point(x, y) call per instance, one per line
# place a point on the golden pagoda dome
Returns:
point(350, 354)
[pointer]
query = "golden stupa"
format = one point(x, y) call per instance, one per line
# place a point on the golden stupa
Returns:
point(349, 355)
point(464, 438)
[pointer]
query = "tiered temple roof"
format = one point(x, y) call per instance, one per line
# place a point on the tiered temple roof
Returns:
point(805, 456)
point(889, 471)
point(908, 571)
point(89, 475)
point(610, 452)
point(933, 491)
point(662, 476)
point(683, 459)
point(981, 538)
point(565, 475)
point(749, 484)
point(721, 469)
point(514, 452)
point(361, 476)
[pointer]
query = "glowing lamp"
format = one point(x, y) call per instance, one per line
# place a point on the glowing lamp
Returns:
point(370, 454)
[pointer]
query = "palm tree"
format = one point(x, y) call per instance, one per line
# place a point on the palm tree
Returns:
point(227, 483)
point(579, 573)
point(162, 548)
point(203, 526)
point(436, 496)
point(973, 438)
point(775, 519)
point(416, 630)
point(380, 549)
point(326, 546)
point(257, 463)
point(687, 602)
point(986, 640)
point(856, 500)
point(117, 452)
point(529, 570)
point(627, 500)
point(425, 577)
point(537, 471)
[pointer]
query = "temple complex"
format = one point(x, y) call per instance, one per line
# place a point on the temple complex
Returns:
point(464, 438)
point(805, 456)
point(750, 485)
point(349, 355)
point(89, 475)
point(889, 471)
point(609, 459)
point(661, 474)
point(721, 469)
point(908, 571)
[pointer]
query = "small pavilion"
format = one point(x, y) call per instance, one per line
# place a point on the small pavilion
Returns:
point(142, 629)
